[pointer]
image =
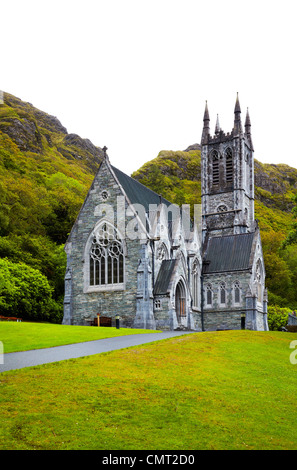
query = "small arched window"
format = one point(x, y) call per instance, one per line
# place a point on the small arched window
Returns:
point(236, 292)
point(223, 293)
point(215, 168)
point(229, 165)
point(106, 257)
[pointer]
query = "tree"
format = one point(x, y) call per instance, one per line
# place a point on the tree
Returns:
point(292, 236)
point(278, 277)
point(26, 293)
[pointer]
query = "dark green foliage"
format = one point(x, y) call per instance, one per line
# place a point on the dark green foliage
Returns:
point(25, 293)
point(39, 253)
point(292, 235)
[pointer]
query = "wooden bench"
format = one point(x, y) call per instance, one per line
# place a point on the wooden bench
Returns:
point(104, 321)
point(292, 328)
point(2, 318)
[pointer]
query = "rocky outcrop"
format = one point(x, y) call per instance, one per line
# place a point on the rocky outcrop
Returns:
point(193, 147)
point(85, 144)
point(35, 131)
point(23, 132)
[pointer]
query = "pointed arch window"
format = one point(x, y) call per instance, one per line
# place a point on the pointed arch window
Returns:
point(162, 252)
point(236, 292)
point(209, 295)
point(223, 293)
point(215, 168)
point(195, 283)
point(106, 258)
point(229, 165)
point(180, 301)
point(259, 280)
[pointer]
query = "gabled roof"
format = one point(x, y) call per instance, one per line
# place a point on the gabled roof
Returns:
point(137, 192)
point(228, 253)
point(164, 276)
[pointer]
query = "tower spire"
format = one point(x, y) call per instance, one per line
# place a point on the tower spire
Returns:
point(237, 117)
point(205, 132)
point(247, 124)
point(247, 127)
point(218, 128)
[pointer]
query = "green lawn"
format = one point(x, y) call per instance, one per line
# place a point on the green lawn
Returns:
point(22, 336)
point(220, 390)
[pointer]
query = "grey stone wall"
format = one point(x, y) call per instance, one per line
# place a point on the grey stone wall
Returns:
point(84, 305)
point(224, 320)
point(226, 316)
point(164, 314)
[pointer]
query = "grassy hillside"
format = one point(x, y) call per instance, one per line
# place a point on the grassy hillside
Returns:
point(45, 174)
point(219, 390)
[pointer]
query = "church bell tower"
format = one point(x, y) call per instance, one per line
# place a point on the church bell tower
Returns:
point(227, 177)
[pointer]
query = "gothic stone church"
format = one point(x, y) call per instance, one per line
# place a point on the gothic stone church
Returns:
point(133, 254)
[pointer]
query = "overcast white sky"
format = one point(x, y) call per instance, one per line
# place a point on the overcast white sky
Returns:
point(134, 74)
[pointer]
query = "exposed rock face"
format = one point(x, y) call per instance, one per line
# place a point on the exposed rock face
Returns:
point(193, 147)
point(24, 133)
point(265, 180)
point(86, 144)
point(34, 131)
point(273, 184)
point(48, 122)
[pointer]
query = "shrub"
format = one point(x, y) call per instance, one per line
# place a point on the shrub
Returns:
point(277, 317)
point(25, 292)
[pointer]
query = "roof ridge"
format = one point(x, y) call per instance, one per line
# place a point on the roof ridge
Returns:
point(231, 235)
point(143, 187)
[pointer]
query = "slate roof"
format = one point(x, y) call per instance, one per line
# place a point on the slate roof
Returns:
point(164, 277)
point(228, 253)
point(137, 192)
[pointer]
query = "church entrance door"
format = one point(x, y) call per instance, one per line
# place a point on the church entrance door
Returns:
point(180, 302)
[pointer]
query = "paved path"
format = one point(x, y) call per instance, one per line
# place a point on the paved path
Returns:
point(18, 360)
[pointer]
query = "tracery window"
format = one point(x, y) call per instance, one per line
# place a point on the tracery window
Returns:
point(162, 252)
point(106, 257)
point(229, 165)
point(236, 292)
point(222, 293)
point(222, 208)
